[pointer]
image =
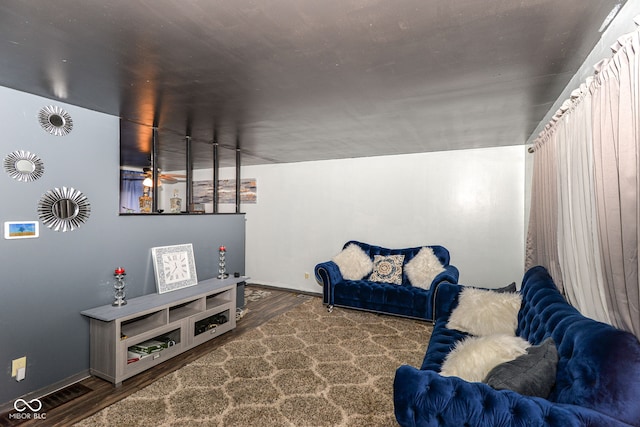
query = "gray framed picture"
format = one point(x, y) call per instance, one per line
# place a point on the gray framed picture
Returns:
point(174, 267)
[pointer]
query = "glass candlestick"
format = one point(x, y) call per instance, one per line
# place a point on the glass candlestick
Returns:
point(118, 286)
point(222, 269)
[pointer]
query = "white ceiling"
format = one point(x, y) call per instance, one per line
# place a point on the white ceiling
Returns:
point(297, 80)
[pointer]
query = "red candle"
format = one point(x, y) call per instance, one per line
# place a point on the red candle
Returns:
point(119, 270)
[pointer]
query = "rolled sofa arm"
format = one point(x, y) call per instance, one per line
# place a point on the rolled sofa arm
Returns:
point(450, 274)
point(427, 399)
point(445, 299)
point(327, 275)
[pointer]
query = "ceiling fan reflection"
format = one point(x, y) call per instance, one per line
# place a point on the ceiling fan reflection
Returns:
point(168, 178)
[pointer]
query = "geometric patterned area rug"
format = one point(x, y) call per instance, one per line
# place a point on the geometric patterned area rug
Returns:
point(306, 367)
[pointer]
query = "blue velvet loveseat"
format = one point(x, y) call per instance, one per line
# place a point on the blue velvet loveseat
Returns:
point(597, 381)
point(404, 298)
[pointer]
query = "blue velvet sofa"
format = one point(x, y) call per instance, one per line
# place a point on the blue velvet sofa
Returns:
point(402, 300)
point(597, 378)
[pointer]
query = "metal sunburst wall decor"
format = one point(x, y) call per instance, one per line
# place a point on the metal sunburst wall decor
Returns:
point(23, 166)
point(63, 209)
point(55, 120)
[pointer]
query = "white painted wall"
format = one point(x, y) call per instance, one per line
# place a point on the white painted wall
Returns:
point(470, 201)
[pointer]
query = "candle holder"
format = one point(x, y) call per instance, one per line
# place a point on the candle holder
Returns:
point(222, 272)
point(118, 287)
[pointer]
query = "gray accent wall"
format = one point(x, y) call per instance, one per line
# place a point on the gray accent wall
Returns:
point(47, 281)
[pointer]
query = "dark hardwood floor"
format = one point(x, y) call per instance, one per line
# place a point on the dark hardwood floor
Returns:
point(103, 393)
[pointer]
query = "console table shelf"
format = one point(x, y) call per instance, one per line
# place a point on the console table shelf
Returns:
point(150, 329)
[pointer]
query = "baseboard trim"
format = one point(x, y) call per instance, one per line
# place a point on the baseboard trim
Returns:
point(8, 406)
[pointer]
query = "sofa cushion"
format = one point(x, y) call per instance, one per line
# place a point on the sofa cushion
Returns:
point(387, 269)
point(474, 357)
point(532, 374)
point(384, 298)
point(483, 312)
point(423, 268)
point(353, 262)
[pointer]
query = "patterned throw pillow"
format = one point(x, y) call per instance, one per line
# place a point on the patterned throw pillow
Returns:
point(387, 269)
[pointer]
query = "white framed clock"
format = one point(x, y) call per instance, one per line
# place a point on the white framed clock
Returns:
point(174, 266)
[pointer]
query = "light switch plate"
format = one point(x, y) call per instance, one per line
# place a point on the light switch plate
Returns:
point(22, 372)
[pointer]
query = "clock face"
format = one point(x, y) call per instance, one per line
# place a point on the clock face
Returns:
point(176, 267)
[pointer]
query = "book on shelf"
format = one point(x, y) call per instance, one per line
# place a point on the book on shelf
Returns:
point(152, 346)
point(148, 347)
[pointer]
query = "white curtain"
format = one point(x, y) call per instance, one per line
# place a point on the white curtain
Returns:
point(616, 147)
point(588, 164)
point(542, 244)
point(130, 191)
point(578, 243)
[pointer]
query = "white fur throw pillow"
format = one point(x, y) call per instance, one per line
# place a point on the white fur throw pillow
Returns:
point(474, 357)
point(423, 268)
point(483, 312)
point(353, 262)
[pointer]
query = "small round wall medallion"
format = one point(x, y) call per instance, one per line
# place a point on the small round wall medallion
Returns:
point(55, 120)
point(63, 209)
point(23, 166)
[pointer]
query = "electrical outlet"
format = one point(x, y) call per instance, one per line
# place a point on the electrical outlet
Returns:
point(306, 275)
point(17, 364)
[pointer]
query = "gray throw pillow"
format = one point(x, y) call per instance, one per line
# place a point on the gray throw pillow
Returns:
point(511, 287)
point(532, 374)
